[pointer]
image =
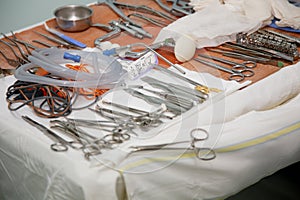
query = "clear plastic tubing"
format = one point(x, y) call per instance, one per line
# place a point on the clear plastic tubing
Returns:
point(106, 71)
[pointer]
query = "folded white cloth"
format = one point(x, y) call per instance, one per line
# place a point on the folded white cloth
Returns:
point(263, 10)
point(216, 22)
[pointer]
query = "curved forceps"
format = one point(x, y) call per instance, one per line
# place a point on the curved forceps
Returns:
point(236, 74)
point(197, 135)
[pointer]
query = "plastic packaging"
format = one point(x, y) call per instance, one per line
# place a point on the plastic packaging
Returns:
point(105, 71)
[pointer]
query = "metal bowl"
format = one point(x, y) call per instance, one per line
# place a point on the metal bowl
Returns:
point(73, 18)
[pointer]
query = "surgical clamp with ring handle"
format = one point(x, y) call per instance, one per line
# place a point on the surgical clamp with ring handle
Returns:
point(142, 121)
point(236, 74)
point(59, 144)
point(92, 145)
point(114, 138)
point(197, 135)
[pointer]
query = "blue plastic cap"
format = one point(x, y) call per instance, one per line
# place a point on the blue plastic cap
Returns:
point(75, 58)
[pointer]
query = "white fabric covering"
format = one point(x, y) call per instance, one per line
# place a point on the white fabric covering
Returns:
point(255, 132)
point(214, 23)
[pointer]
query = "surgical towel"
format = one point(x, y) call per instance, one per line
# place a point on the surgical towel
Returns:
point(215, 22)
point(211, 26)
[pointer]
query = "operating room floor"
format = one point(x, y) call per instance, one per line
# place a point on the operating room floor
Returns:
point(283, 185)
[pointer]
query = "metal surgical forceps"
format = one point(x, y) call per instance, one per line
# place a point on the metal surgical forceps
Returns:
point(10, 61)
point(236, 74)
point(178, 8)
point(197, 135)
point(145, 9)
point(59, 144)
point(111, 4)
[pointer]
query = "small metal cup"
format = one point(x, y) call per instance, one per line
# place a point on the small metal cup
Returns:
point(73, 18)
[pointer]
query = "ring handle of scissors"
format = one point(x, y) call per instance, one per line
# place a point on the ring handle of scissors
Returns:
point(116, 138)
point(146, 121)
point(91, 150)
point(249, 64)
point(59, 147)
point(205, 153)
point(198, 134)
point(243, 70)
point(238, 77)
point(76, 145)
point(120, 133)
point(112, 139)
point(124, 136)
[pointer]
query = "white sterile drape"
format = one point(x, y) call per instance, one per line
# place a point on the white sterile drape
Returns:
point(257, 134)
point(254, 132)
point(29, 169)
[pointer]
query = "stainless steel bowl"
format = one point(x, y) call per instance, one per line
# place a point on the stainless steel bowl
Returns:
point(73, 18)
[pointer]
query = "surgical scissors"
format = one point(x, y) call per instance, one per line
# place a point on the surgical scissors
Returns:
point(249, 56)
point(59, 144)
point(196, 134)
point(236, 74)
point(91, 145)
point(245, 64)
